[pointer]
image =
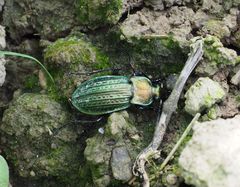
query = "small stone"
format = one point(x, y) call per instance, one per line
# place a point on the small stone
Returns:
point(32, 173)
point(203, 94)
point(121, 164)
point(171, 179)
point(212, 157)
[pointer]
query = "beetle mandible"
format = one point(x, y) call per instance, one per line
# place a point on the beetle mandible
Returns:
point(107, 94)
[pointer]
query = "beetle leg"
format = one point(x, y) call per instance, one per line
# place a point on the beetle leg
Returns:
point(54, 133)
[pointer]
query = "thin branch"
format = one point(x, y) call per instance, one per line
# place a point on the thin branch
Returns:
point(169, 106)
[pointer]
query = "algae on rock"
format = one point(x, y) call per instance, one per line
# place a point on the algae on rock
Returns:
point(203, 94)
point(34, 141)
point(113, 150)
point(72, 55)
point(98, 13)
point(216, 56)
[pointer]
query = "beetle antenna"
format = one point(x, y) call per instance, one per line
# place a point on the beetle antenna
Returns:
point(95, 71)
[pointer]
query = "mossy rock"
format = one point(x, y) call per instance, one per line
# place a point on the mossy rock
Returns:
point(154, 55)
point(217, 28)
point(68, 56)
point(203, 94)
point(36, 144)
point(216, 56)
point(119, 133)
point(98, 13)
point(50, 19)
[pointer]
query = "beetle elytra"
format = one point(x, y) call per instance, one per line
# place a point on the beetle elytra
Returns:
point(107, 94)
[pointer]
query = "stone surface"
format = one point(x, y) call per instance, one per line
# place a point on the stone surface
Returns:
point(49, 19)
point(108, 152)
point(34, 141)
point(202, 95)
point(2, 37)
point(99, 13)
point(212, 158)
point(2, 60)
point(70, 56)
point(121, 164)
point(177, 21)
point(216, 56)
point(2, 70)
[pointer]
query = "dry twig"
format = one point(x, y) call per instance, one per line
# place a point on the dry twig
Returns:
point(169, 106)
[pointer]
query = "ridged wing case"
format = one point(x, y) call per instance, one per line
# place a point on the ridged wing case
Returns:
point(102, 95)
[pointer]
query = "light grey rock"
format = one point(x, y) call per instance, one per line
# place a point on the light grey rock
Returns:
point(2, 70)
point(212, 157)
point(2, 36)
point(2, 60)
point(121, 164)
point(203, 94)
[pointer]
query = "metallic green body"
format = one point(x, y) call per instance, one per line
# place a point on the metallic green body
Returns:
point(102, 95)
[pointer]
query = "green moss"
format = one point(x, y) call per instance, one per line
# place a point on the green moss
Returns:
point(217, 28)
point(72, 51)
point(216, 54)
point(32, 83)
point(98, 13)
point(237, 98)
point(71, 55)
point(153, 54)
point(212, 113)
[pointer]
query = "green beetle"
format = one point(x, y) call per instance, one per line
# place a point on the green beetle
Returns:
point(107, 94)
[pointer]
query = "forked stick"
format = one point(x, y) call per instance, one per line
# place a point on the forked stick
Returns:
point(169, 106)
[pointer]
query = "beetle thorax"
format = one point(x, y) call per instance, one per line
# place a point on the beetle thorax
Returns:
point(143, 91)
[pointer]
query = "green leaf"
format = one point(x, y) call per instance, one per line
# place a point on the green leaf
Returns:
point(9, 53)
point(4, 173)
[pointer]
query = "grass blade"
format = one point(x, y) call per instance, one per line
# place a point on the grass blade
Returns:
point(9, 53)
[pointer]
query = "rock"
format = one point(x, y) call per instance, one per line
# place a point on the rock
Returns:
point(176, 20)
point(155, 4)
point(35, 141)
point(98, 13)
point(114, 149)
point(212, 158)
point(70, 56)
point(48, 19)
point(216, 56)
point(2, 59)
point(2, 37)
point(236, 78)
point(202, 95)
point(121, 164)
point(2, 70)
point(216, 28)
point(131, 4)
